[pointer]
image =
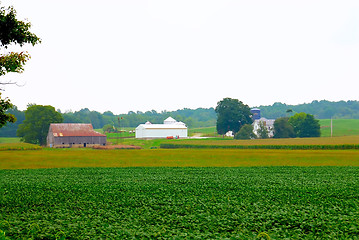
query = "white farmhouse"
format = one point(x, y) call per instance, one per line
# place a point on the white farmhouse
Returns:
point(267, 123)
point(169, 129)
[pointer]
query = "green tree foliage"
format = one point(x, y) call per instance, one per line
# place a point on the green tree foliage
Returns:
point(108, 128)
point(12, 62)
point(282, 129)
point(232, 114)
point(246, 132)
point(13, 31)
point(36, 125)
point(86, 116)
point(200, 117)
point(9, 130)
point(262, 131)
point(5, 117)
point(305, 125)
point(108, 113)
point(320, 109)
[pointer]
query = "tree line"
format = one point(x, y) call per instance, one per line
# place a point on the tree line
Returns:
point(319, 109)
point(232, 115)
point(200, 117)
point(235, 116)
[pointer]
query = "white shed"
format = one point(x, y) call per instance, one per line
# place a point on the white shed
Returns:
point(170, 128)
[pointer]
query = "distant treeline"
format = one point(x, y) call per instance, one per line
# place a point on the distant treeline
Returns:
point(9, 130)
point(200, 117)
point(320, 109)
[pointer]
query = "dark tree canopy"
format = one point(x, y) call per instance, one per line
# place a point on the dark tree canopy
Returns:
point(320, 109)
point(193, 118)
point(10, 128)
point(232, 114)
point(246, 132)
point(305, 125)
point(282, 129)
point(36, 125)
point(12, 31)
point(4, 116)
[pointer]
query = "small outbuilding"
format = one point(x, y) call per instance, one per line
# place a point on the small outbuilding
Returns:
point(63, 135)
point(169, 129)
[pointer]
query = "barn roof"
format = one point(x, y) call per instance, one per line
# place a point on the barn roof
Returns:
point(74, 130)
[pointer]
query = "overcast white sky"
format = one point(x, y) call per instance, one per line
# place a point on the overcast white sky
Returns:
point(167, 55)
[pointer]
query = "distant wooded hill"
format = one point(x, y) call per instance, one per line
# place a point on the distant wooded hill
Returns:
point(194, 118)
point(320, 109)
point(200, 117)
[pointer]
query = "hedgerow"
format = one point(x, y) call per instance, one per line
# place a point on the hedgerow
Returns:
point(18, 146)
point(294, 147)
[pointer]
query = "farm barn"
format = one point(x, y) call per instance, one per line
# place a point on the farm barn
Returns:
point(169, 129)
point(73, 135)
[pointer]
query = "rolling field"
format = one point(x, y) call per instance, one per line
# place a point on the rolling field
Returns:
point(64, 158)
point(341, 127)
point(9, 140)
point(181, 193)
point(180, 203)
point(204, 132)
point(18, 146)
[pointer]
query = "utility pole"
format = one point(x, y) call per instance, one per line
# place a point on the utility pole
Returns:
point(331, 127)
point(117, 132)
point(119, 128)
point(119, 125)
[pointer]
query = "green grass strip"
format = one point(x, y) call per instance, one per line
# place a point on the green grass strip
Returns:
point(18, 146)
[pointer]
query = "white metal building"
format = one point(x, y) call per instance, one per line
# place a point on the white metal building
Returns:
point(169, 129)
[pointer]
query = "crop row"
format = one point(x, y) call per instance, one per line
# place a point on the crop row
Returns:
point(293, 147)
point(180, 203)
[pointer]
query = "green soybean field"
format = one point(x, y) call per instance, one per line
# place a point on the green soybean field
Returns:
point(180, 203)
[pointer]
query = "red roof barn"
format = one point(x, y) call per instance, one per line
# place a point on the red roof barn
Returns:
point(74, 135)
